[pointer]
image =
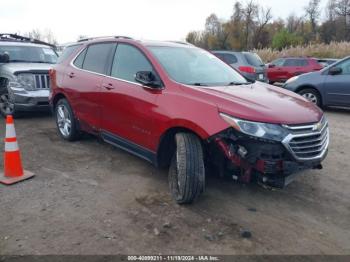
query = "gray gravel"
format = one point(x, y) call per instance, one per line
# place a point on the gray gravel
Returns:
point(90, 198)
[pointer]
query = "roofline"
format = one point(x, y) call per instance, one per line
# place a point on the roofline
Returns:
point(6, 37)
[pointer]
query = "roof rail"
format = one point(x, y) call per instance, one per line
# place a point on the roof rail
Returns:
point(181, 43)
point(20, 38)
point(99, 37)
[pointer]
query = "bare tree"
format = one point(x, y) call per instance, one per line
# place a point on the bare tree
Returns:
point(330, 10)
point(313, 12)
point(213, 25)
point(342, 7)
point(264, 17)
point(293, 23)
point(45, 35)
point(250, 12)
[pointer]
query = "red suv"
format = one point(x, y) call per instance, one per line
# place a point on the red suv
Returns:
point(176, 105)
point(282, 69)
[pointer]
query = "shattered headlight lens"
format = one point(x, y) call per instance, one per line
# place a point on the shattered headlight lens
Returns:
point(26, 81)
point(256, 129)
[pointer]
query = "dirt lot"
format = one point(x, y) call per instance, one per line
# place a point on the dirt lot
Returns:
point(90, 198)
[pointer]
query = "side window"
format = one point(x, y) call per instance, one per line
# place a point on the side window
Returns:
point(230, 59)
point(96, 57)
point(345, 66)
point(291, 62)
point(67, 52)
point(128, 60)
point(278, 62)
point(303, 62)
point(78, 62)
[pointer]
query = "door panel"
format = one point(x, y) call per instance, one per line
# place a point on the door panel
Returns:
point(128, 108)
point(83, 82)
point(276, 73)
point(337, 87)
point(84, 90)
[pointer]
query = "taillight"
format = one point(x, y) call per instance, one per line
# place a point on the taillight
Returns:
point(247, 69)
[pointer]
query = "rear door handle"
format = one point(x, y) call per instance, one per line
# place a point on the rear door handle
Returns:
point(108, 86)
point(71, 75)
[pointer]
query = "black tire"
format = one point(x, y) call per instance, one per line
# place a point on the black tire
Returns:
point(187, 172)
point(7, 108)
point(271, 82)
point(74, 132)
point(312, 95)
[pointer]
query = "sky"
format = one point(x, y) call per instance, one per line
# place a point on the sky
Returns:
point(141, 19)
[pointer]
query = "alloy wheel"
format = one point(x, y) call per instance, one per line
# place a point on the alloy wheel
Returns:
point(311, 97)
point(64, 120)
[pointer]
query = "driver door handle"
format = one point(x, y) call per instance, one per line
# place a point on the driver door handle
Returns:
point(108, 86)
point(71, 74)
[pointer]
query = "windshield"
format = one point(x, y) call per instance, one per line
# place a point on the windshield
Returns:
point(30, 54)
point(253, 59)
point(194, 66)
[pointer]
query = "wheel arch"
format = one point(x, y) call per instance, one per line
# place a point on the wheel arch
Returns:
point(167, 145)
point(56, 98)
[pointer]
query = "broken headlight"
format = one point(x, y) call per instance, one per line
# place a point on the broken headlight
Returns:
point(256, 129)
point(24, 80)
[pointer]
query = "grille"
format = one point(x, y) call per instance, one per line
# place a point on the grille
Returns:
point(308, 141)
point(42, 81)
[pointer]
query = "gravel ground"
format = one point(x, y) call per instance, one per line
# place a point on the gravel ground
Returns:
point(90, 198)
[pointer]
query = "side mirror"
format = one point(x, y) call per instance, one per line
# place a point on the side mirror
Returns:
point(335, 71)
point(4, 58)
point(147, 78)
point(271, 66)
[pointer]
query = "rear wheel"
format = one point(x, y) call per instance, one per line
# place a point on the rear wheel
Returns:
point(66, 123)
point(312, 95)
point(187, 172)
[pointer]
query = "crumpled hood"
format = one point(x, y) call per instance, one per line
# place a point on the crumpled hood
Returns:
point(264, 103)
point(15, 67)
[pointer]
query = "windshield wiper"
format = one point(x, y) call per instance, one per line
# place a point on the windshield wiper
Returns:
point(197, 84)
point(39, 62)
point(26, 61)
point(238, 83)
point(18, 61)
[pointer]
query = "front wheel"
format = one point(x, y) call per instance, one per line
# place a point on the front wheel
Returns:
point(311, 95)
point(6, 107)
point(187, 172)
point(65, 121)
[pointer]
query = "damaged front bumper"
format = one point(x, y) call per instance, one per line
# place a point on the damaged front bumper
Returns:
point(246, 158)
point(24, 100)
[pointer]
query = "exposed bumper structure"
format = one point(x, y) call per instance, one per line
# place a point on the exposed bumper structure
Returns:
point(247, 158)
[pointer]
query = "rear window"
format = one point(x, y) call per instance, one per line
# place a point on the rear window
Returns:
point(80, 59)
point(67, 52)
point(253, 59)
point(230, 59)
point(96, 57)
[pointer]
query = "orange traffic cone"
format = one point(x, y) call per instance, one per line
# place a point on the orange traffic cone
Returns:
point(13, 170)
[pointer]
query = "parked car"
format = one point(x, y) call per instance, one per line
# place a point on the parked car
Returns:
point(181, 107)
point(248, 64)
point(280, 70)
point(24, 74)
point(324, 62)
point(328, 87)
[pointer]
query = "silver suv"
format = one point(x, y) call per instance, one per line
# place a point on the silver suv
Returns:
point(24, 74)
